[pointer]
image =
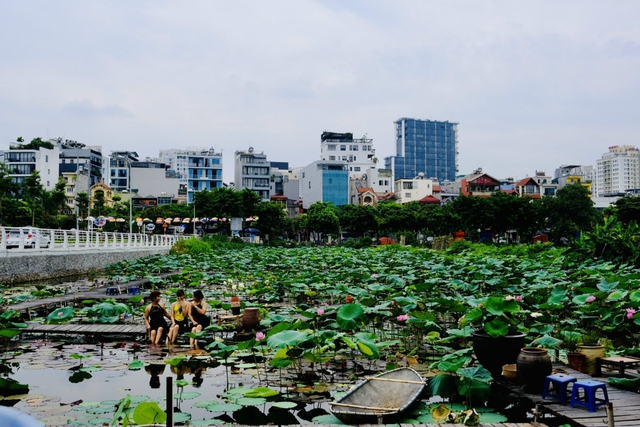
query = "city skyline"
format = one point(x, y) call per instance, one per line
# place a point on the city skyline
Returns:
point(530, 89)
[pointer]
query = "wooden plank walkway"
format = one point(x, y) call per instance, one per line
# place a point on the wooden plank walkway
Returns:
point(89, 329)
point(62, 300)
point(626, 404)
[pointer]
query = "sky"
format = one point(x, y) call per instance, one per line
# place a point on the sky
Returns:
point(533, 85)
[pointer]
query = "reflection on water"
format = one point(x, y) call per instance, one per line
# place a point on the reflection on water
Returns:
point(93, 378)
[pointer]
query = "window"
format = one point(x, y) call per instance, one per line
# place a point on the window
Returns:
point(354, 148)
point(309, 184)
point(332, 157)
point(407, 195)
point(331, 147)
point(343, 148)
point(357, 169)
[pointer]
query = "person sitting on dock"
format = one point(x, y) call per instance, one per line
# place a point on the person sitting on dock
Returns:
point(154, 316)
point(179, 314)
point(198, 316)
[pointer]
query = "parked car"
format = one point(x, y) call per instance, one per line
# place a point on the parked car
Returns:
point(31, 237)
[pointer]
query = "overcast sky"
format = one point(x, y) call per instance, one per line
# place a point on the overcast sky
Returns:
point(533, 85)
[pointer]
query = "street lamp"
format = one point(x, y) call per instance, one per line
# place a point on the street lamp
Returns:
point(194, 211)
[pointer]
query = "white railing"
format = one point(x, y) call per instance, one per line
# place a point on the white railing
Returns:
point(12, 238)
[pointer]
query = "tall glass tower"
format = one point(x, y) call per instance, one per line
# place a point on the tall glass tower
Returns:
point(429, 147)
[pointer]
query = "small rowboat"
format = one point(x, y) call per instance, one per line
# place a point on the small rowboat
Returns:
point(384, 396)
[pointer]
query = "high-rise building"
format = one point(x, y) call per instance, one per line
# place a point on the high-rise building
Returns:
point(618, 171)
point(429, 147)
point(252, 171)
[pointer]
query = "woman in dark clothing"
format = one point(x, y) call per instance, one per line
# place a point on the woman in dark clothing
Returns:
point(198, 316)
point(154, 316)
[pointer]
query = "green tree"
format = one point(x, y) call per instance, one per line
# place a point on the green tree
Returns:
point(6, 187)
point(99, 203)
point(358, 219)
point(82, 202)
point(58, 197)
point(250, 201)
point(221, 202)
point(271, 219)
point(627, 209)
point(322, 217)
point(34, 193)
point(570, 212)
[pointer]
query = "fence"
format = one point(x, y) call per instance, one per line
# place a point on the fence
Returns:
point(20, 238)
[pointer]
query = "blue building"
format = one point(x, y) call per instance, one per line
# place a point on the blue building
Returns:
point(325, 181)
point(426, 146)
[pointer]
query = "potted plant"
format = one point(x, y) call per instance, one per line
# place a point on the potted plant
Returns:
point(592, 349)
point(570, 339)
point(499, 334)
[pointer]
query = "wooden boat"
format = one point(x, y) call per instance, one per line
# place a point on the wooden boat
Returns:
point(379, 398)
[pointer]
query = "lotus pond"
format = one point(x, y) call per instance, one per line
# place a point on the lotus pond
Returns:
point(330, 316)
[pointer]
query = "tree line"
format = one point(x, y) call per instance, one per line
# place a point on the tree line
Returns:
point(570, 212)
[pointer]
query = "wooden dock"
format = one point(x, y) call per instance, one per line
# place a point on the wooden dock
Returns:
point(626, 404)
point(88, 329)
point(75, 297)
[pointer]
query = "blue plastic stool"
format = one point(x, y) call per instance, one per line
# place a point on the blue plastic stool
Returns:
point(133, 290)
point(555, 387)
point(589, 400)
point(112, 290)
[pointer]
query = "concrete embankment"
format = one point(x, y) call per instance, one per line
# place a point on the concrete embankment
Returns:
point(25, 267)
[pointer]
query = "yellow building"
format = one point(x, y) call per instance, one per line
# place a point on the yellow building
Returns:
point(577, 179)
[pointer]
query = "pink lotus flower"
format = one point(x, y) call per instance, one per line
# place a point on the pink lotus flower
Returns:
point(259, 336)
point(60, 314)
point(630, 312)
point(402, 318)
point(320, 311)
point(591, 298)
point(519, 298)
point(374, 275)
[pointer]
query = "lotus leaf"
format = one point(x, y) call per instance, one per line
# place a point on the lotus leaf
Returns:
point(149, 413)
point(440, 413)
point(443, 385)
point(251, 401)
point(348, 315)
point(61, 315)
point(286, 339)
point(262, 392)
point(223, 407)
point(285, 405)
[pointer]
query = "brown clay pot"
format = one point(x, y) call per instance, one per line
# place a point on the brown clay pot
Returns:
point(534, 364)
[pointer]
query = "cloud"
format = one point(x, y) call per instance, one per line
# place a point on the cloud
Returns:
point(86, 109)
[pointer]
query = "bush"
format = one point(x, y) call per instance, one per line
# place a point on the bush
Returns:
point(362, 242)
point(191, 246)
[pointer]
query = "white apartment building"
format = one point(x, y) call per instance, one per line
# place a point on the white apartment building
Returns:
point(22, 162)
point(359, 154)
point(618, 171)
point(197, 169)
point(252, 171)
point(411, 190)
